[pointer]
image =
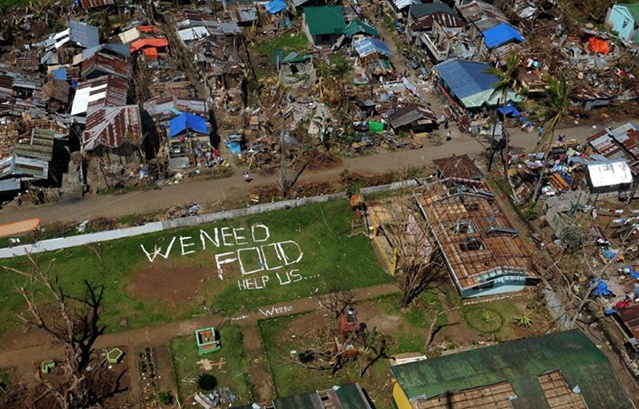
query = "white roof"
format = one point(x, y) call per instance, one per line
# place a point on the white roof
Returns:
point(609, 173)
point(84, 95)
point(193, 33)
point(129, 36)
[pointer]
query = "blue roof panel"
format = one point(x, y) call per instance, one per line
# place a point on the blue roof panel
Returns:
point(186, 121)
point(276, 6)
point(466, 78)
point(60, 74)
point(369, 46)
point(501, 34)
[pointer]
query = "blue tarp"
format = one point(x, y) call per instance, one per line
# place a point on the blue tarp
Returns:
point(234, 147)
point(601, 288)
point(276, 6)
point(60, 74)
point(634, 274)
point(501, 34)
point(186, 121)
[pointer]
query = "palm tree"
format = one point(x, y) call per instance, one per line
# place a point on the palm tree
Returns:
point(552, 111)
point(507, 80)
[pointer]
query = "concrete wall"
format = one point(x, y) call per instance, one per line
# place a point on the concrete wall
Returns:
point(84, 239)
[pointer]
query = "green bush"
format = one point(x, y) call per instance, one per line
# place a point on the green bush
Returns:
point(207, 382)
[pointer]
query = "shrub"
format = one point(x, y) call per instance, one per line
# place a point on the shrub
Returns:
point(206, 382)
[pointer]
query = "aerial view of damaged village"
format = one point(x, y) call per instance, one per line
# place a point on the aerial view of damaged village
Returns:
point(319, 204)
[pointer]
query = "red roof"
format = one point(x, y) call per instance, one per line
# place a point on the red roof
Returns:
point(148, 42)
point(151, 53)
point(148, 29)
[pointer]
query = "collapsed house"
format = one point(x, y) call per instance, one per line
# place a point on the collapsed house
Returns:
point(373, 55)
point(482, 251)
point(413, 117)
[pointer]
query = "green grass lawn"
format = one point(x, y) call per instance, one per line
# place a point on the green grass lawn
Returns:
point(231, 375)
point(286, 41)
point(331, 260)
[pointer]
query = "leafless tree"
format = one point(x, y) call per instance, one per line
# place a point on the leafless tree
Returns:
point(336, 302)
point(71, 321)
point(418, 261)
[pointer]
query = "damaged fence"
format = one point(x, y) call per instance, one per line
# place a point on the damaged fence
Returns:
point(153, 227)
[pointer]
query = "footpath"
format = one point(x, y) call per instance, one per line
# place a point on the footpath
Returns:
point(160, 335)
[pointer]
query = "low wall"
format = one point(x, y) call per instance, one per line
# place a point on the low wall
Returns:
point(84, 239)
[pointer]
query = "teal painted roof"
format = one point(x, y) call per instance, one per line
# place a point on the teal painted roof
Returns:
point(325, 20)
point(352, 397)
point(519, 362)
point(357, 26)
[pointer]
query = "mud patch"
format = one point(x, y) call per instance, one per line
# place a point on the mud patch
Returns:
point(167, 282)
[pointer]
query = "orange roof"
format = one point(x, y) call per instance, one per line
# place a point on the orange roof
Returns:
point(15, 228)
point(151, 53)
point(148, 42)
point(148, 29)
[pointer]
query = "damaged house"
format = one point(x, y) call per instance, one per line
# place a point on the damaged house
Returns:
point(104, 91)
point(623, 19)
point(62, 47)
point(373, 55)
point(413, 117)
point(115, 130)
point(482, 251)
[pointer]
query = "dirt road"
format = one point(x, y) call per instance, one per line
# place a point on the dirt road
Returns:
point(76, 209)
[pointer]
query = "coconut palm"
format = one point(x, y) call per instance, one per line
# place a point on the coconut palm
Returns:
point(507, 81)
point(551, 112)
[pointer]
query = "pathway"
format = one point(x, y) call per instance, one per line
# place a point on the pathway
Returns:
point(159, 336)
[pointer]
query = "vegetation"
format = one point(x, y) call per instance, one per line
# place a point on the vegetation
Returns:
point(483, 319)
point(287, 42)
point(188, 372)
point(523, 320)
point(329, 256)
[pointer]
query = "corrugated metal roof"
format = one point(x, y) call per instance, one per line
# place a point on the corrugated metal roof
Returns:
point(84, 35)
point(104, 91)
point(40, 146)
point(163, 105)
point(119, 49)
point(325, 20)
point(193, 33)
point(409, 114)
point(26, 168)
point(368, 46)
point(402, 4)
point(91, 4)
point(609, 173)
point(148, 42)
point(477, 10)
point(110, 127)
point(630, 318)
point(107, 64)
point(580, 361)
point(243, 14)
point(129, 36)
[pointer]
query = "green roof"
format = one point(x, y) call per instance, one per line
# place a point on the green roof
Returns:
point(352, 397)
point(519, 362)
point(358, 26)
point(325, 20)
point(345, 397)
point(633, 9)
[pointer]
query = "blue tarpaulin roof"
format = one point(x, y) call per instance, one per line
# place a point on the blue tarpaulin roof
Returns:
point(368, 46)
point(186, 121)
point(60, 74)
point(501, 34)
point(276, 6)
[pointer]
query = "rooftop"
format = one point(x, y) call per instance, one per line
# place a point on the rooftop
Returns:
point(501, 34)
point(325, 20)
point(425, 9)
point(103, 91)
point(477, 239)
point(368, 46)
point(107, 64)
point(110, 127)
point(461, 166)
point(533, 376)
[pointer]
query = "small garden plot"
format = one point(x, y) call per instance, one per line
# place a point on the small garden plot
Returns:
point(220, 372)
point(301, 348)
point(232, 265)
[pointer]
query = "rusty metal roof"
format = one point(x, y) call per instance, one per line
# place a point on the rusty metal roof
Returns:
point(107, 64)
point(461, 166)
point(91, 4)
point(477, 239)
point(630, 319)
point(110, 127)
point(99, 92)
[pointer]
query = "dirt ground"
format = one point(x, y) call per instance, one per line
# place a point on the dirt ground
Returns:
point(169, 283)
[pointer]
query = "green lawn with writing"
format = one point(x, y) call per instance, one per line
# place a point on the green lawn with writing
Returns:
point(299, 252)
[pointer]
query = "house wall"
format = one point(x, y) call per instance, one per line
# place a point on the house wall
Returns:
point(616, 17)
point(400, 400)
point(499, 285)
